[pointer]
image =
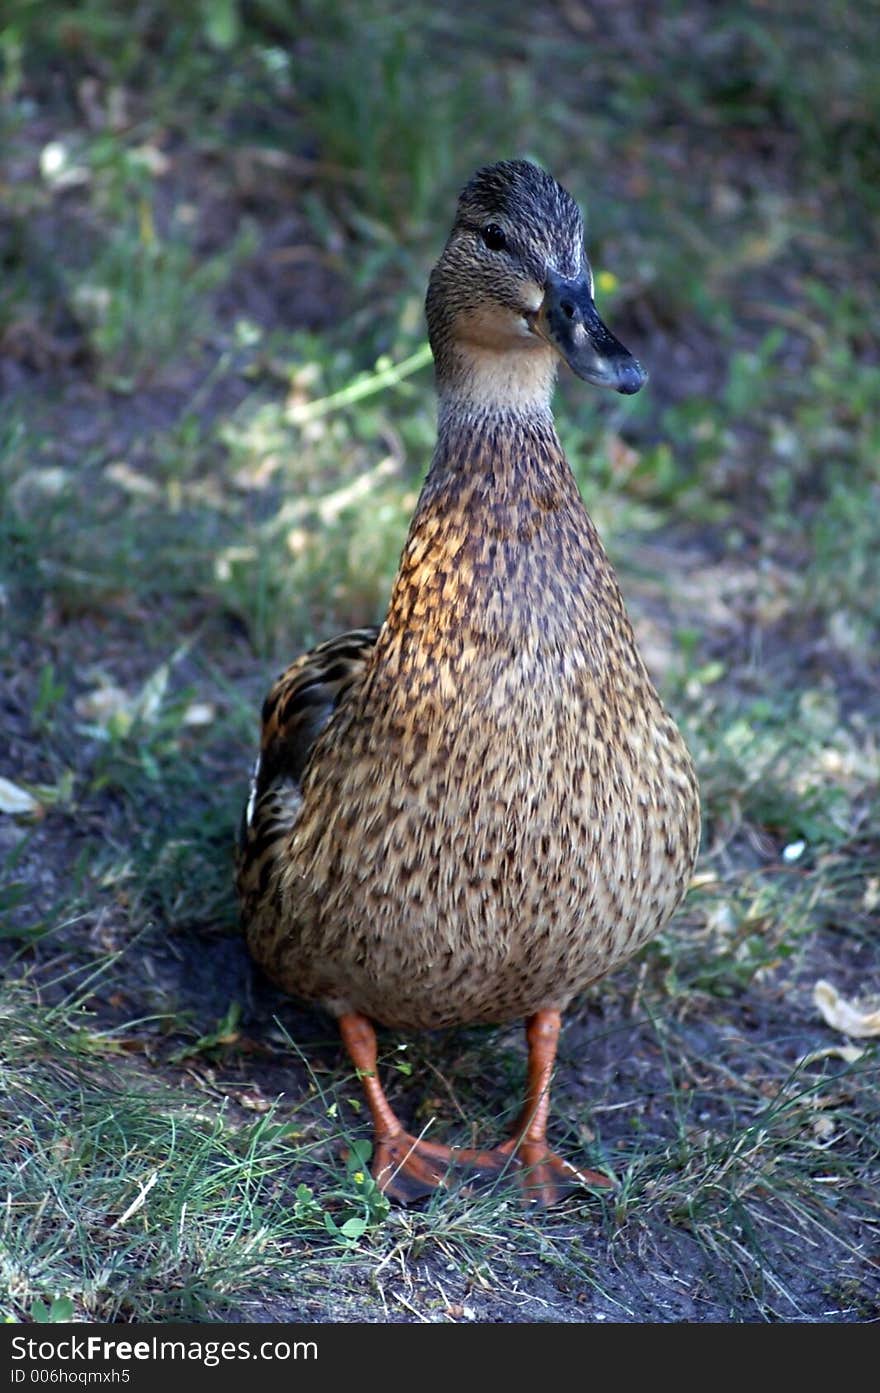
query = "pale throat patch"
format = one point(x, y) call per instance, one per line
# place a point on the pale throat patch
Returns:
point(499, 358)
point(521, 382)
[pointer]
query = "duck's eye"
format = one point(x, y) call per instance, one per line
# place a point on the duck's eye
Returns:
point(494, 237)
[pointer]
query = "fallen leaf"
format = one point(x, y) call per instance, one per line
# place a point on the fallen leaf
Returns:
point(254, 1102)
point(103, 705)
point(846, 1016)
point(848, 1053)
point(199, 713)
point(17, 801)
point(131, 480)
point(35, 486)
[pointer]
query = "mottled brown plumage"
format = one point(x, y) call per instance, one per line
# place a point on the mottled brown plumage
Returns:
point(479, 809)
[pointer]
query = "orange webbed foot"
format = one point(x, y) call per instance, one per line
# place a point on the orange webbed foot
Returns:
point(407, 1169)
point(545, 1178)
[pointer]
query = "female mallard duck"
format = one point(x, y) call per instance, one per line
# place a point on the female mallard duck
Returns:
point(478, 809)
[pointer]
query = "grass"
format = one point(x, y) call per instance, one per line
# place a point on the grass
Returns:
point(132, 1196)
point(165, 1210)
point(215, 237)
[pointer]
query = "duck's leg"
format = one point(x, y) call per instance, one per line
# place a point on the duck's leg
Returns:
point(408, 1168)
point(403, 1166)
point(544, 1177)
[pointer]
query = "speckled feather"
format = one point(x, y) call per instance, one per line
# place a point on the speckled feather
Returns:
point(475, 812)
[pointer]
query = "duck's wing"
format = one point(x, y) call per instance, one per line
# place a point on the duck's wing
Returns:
point(298, 707)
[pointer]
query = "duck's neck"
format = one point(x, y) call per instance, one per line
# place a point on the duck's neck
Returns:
point(475, 380)
point(498, 522)
point(495, 460)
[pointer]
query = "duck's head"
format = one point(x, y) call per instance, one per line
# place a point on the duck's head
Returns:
point(512, 294)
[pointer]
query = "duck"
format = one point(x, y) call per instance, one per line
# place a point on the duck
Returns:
point(475, 810)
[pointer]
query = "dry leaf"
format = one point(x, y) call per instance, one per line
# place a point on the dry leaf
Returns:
point(846, 1016)
point(17, 801)
point(848, 1053)
point(254, 1102)
point(131, 480)
point(199, 713)
point(35, 486)
point(103, 705)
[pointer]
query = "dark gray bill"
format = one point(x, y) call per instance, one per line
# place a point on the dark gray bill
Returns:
point(568, 319)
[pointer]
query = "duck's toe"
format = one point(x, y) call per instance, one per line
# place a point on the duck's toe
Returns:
point(542, 1177)
point(408, 1169)
point(545, 1178)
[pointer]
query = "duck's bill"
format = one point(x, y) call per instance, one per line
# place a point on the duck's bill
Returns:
point(569, 321)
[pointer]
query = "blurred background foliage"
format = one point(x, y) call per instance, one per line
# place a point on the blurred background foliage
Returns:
point(228, 178)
